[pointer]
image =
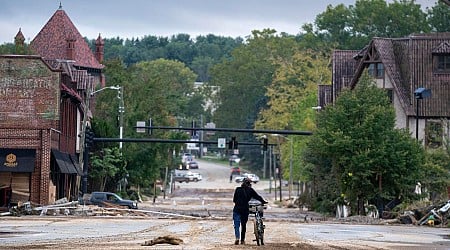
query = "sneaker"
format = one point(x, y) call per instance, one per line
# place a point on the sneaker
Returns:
point(236, 242)
point(242, 242)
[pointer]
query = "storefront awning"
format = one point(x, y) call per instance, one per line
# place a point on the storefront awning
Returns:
point(76, 164)
point(17, 160)
point(64, 162)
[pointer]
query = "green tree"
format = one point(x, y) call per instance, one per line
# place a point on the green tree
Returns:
point(106, 165)
point(243, 79)
point(162, 90)
point(370, 159)
point(336, 22)
point(291, 96)
point(437, 174)
point(439, 17)
point(406, 18)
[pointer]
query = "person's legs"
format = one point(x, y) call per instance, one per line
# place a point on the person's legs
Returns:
point(236, 222)
point(244, 219)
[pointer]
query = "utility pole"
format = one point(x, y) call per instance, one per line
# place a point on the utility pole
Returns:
point(121, 111)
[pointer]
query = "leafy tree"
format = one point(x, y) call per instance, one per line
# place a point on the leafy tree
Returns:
point(354, 26)
point(291, 96)
point(336, 22)
point(406, 17)
point(243, 78)
point(106, 166)
point(439, 17)
point(437, 174)
point(162, 90)
point(370, 159)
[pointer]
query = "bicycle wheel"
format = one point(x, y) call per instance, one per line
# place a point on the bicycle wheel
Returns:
point(256, 231)
point(261, 232)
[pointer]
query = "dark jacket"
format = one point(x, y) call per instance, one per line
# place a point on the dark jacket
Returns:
point(242, 195)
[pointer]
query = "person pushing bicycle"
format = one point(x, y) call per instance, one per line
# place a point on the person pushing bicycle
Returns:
point(242, 195)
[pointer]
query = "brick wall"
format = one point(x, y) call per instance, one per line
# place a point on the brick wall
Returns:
point(29, 113)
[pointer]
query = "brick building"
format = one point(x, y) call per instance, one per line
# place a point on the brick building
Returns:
point(43, 99)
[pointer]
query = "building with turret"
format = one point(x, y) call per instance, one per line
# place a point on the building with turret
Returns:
point(43, 103)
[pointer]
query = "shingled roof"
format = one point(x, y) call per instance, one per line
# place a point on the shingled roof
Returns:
point(52, 41)
point(409, 65)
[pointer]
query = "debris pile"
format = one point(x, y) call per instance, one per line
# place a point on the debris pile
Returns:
point(167, 239)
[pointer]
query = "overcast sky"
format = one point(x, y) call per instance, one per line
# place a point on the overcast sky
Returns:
point(137, 18)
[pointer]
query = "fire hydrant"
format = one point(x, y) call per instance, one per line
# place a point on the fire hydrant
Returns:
point(430, 221)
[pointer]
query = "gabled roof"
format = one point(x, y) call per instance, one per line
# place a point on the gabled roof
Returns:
point(408, 64)
point(52, 41)
point(443, 48)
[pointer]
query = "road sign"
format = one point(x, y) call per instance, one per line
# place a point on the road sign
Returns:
point(221, 142)
point(140, 124)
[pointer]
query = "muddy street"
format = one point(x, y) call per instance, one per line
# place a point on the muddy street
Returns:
point(199, 214)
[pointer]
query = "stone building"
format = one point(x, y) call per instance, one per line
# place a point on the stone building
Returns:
point(43, 103)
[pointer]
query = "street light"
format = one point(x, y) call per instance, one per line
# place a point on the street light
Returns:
point(419, 94)
point(290, 162)
point(121, 108)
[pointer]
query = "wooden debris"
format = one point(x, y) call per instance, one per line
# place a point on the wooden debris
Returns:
point(168, 239)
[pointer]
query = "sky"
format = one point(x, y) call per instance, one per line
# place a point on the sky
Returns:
point(164, 18)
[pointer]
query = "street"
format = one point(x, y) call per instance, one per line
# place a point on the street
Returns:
point(199, 213)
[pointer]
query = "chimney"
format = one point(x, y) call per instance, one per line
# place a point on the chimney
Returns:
point(99, 44)
point(70, 50)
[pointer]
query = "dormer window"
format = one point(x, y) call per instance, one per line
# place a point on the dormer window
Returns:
point(441, 58)
point(376, 70)
point(443, 62)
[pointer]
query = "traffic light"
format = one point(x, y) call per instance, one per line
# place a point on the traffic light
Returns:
point(150, 126)
point(233, 144)
point(193, 131)
point(89, 137)
point(265, 142)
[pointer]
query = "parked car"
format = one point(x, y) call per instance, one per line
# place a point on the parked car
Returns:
point(235, 171)
point(100, 198)
point(187, 157)
point(253, 178)
point(234, 158)
point(194, 176)
point(193, 165)
point(179, 176)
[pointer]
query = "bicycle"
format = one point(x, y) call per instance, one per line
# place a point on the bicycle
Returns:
point(257, 208)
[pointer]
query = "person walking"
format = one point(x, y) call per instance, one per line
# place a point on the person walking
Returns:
point(242, 195)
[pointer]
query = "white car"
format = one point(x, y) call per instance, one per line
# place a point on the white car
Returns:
point(253, 178)
point(234, 158)
point(193, 176)
point(187, 158)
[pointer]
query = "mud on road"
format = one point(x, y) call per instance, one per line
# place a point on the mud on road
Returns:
point(200, 214)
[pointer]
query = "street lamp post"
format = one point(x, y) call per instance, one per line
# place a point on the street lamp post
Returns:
point(419, 94)
point(121, 108)
point(290, 162)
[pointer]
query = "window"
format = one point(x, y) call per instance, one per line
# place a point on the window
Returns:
point(434, 133)
point(376, 70)
point(443, 63)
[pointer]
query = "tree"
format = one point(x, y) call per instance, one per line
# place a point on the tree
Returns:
point(162, 90)
point(243, 79)
point(335, 21)
point(290, 97)
point(105, 166)
point(439, 17)
point(370, 159)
